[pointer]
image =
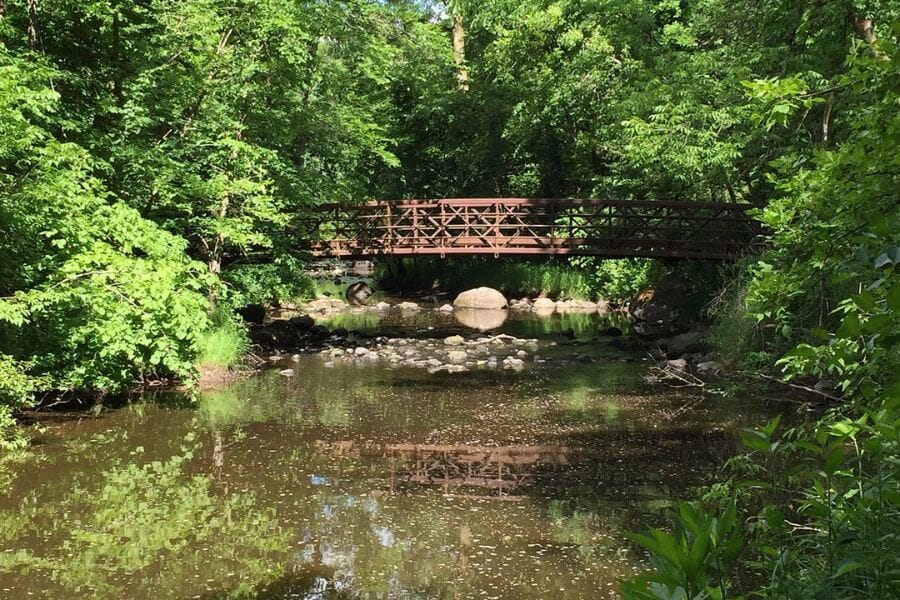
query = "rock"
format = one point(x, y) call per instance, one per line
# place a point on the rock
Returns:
point(361, 351)
point(678, 363)
point(326, 305)
point(382, 306)
point(611, 332)
point(329, 364)
point(408, 306)
point(483, 297)
point(665, 303)
point(585, 306)
point(454, 340)
point(457, 356)
point(302, 322)
point(684, 343)
point(358, 293)
point(482, 319)
point(604, 307)
point(543, 304)
point(255, 314)
point(318, 332)
point(710, 367)
point(514, 364)
point(337, 352)
point(286, 372)
point(521, 353)
point(446, 308)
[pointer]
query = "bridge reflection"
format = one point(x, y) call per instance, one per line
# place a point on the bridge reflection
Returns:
point(459, 469)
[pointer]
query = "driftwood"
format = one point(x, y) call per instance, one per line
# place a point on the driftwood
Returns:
point(803, 388)
point(673, 377)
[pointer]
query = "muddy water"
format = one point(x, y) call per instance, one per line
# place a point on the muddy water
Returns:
point(363, 480)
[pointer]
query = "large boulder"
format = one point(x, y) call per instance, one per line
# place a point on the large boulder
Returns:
point(684, 343)
point(664, 303)
point(483, 297)
point(543, 304)
point(358, 293)
point(254, 314)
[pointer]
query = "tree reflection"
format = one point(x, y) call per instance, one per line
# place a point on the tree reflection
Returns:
point(145, 526)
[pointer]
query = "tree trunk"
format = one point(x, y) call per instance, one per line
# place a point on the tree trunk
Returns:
point(2, 9)
point(33, 34)
point(459, 51)
point(864, 27)
point(117, 56)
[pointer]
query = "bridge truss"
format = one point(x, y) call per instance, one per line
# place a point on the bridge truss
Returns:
point(533, 226)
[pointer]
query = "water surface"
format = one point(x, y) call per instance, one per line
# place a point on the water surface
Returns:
point(367, 481)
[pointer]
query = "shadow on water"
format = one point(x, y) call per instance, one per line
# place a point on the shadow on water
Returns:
point(366, 482)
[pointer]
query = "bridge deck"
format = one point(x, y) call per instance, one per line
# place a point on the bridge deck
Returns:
point(533, 226)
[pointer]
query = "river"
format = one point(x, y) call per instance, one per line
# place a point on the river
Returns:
point(371, 478)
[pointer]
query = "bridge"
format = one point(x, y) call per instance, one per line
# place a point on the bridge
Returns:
point(532, 226)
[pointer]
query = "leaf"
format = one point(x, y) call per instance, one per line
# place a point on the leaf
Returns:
point(846, 566)
point(850, 326)
point(893, 298)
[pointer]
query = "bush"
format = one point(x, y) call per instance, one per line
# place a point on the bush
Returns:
point(15, 392)
point(278, 282)
point(224, 343)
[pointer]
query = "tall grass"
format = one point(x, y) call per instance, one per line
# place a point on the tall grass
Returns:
point(223, 344)
point(575, 279)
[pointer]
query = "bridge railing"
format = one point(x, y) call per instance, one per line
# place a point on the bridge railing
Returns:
point(533, 226)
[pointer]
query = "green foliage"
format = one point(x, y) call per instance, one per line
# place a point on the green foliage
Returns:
point(275, 283)
point(143, 519)
point(99, 295)
point(16, 390)
point(513, 278)
point(822, 500)
point(621, 280)
point(224, 343)
point(691, 563)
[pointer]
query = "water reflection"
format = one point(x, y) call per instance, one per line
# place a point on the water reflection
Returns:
point(352, 482)
point(494, 471)
point(513, 322)
point(480, 319)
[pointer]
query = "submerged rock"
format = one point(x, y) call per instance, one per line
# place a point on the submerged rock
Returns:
point(326, 305)
point(457, 356)
point(408, 306)
point(482, 297)
point(454, 340)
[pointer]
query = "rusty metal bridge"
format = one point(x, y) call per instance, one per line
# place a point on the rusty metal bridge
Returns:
point(532, 226)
